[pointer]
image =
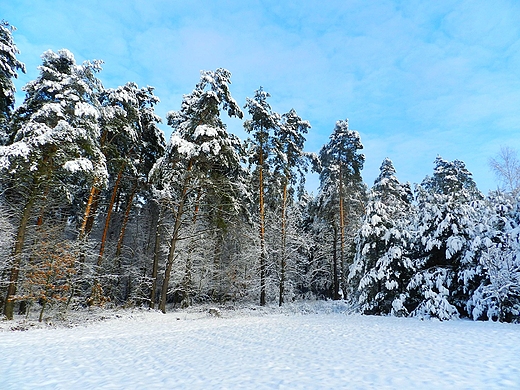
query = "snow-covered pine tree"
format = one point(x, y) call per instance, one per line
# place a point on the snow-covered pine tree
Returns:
point(261, 125)
point(147, 150)
point(447, 267)
point(199, 154)
point(9, 67)
point(53, 146)
point(131, 143)
point(290, 164)
point(341, 197)
point(382, 266)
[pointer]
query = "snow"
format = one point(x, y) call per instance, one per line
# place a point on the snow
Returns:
point(85, 110)
point(79, 164)
point(307, 347)
point(205, 130)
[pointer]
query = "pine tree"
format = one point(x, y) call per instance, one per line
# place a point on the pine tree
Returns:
point(131, 143)
point(54, 137)
point(290, 166)
point(200, 151)
point(382, 266)
point(9, 67)
point(261, 125)
point(341, 194)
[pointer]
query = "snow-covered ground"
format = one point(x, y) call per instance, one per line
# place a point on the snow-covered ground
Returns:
point(301, 347)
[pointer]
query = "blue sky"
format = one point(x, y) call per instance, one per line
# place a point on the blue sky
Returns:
point(417, 79)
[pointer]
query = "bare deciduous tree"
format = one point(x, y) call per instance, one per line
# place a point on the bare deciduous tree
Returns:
point(506, 167)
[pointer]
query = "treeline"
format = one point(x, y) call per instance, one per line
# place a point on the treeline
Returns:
point(97, 209)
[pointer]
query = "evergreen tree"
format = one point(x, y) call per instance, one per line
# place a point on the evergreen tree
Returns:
point(9, 66)
point(498, 296)
point(341, 195)
point(447, 268)
point(53, 145)
point(382, 266)
point(290, 166)
point(200, 151)
point(261, 125)
point(131, 143)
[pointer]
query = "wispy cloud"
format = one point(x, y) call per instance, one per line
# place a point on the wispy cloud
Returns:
point(415, 78)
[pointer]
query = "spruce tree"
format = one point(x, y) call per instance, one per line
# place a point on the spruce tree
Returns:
point(382, 266)
point(498, 295)
point(447, 268)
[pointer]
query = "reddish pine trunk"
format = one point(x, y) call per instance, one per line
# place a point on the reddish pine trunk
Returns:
point(335, 266)
point(109, 215)
point(90, 210)
point(263, 256)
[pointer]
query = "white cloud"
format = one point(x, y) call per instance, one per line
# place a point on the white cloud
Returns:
point(416, 79)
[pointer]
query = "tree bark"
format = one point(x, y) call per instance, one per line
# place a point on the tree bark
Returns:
point(263, 255)
point(90, 210)
point(335, 266)
point(17, 254)
point(126, 218)
point(155, 265)
point(107, 219)
point(341, 225)
point(174, 239)
point(283, 260)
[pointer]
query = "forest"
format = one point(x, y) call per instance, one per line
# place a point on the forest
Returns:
point(98, 209)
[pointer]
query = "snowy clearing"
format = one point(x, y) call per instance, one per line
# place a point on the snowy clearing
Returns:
point(302, 347)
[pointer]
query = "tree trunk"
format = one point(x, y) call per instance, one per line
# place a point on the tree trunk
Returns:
point(283, 260)
point(155, 265)
point(173, 241)
point(335, 266)
point(92, 202)
point(171, 255)
point(107, 220)
point(263, 254)
point(90, 211)
point(17, 254)
point(125, 221)
point(341, 226)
